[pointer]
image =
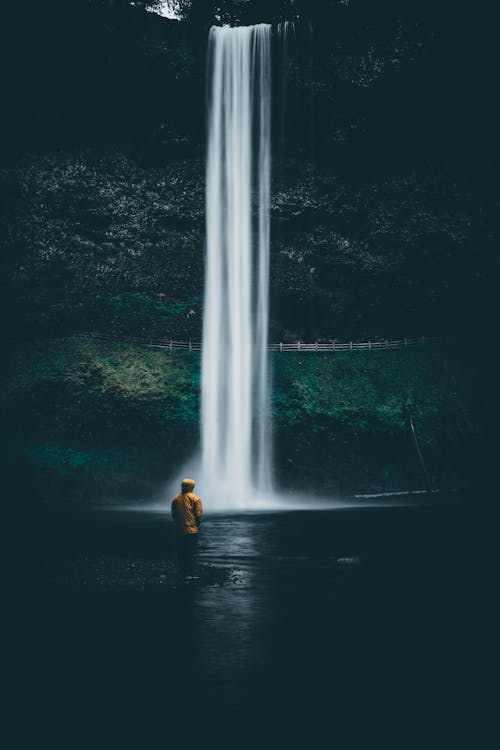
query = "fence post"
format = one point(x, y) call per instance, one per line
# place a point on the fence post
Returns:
point(190, 347)
point(387, 343)
point(170, 344)
point(406, 341)
point(369, 345)
point(298, 345)
point(333, 345)
point(316, 346)
point(281, 346)
point(350, 346)
point(423, 339)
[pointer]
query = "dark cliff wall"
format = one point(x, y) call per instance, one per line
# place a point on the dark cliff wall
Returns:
point(385, 209)
point(385, 222)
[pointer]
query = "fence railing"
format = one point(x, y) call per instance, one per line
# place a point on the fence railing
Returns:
point(143, 341)
point(295, 346)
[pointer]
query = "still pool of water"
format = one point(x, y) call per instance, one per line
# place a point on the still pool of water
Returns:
point(302, 625)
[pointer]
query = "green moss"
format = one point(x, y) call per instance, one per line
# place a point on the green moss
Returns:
point(346, 414)
point(81, 386)
point(75, 406)
point(383, 387)
point(64, 460)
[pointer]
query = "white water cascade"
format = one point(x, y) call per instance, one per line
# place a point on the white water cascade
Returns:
point(235, 413)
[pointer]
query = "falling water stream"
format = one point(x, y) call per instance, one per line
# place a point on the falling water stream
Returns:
point(235, 425)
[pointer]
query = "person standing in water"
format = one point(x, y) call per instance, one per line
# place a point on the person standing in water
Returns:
point(187, 511)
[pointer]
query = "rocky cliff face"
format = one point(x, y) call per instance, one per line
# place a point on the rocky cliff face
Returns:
point(384, 215)
point(99, 242)
point(95, 240)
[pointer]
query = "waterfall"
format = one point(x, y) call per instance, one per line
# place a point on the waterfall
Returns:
point(235, 414)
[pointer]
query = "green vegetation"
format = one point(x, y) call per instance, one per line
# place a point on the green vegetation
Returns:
point(114, 417)
point(94, 241)
point(349, 413)
point(80, 412)
point(132, 314)
point(68, 384)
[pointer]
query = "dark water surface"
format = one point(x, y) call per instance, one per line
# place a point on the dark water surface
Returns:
point(358, 627)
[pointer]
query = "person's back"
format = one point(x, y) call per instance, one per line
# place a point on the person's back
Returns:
point(187, 511)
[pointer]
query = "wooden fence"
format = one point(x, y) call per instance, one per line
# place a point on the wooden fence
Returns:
point(295, 346)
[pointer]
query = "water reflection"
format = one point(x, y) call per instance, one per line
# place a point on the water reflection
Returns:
point(323, 607)
point(230, 618)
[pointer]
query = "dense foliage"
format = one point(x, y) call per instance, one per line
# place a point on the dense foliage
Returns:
point(80, 415)
point(345, 417)
point(86, 415)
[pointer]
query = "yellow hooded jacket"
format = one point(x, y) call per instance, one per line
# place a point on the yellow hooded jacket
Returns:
point(187, 509)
